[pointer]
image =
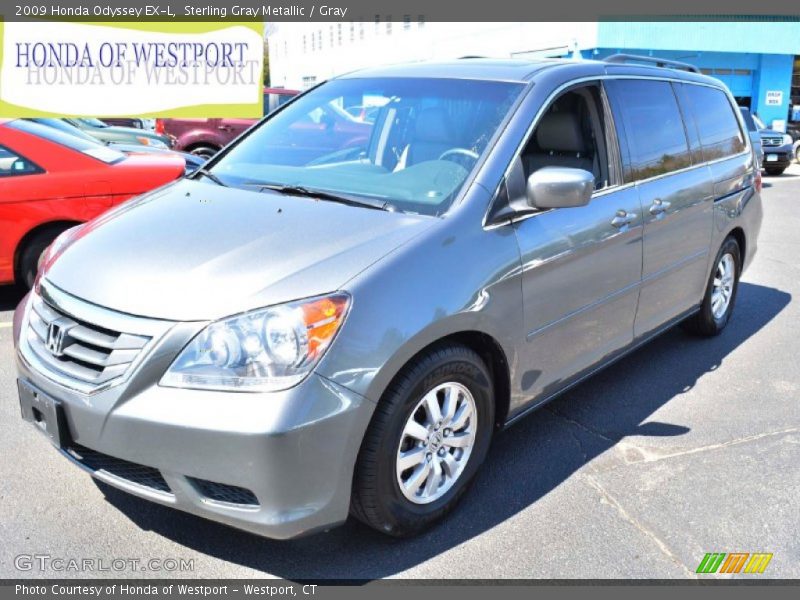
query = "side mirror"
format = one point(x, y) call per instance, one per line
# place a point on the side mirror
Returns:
point(559, 187)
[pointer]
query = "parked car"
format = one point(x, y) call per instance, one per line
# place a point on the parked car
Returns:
point(754, 134)
point(340, 326)
point(778, 148)
point(127, 135)
point(134, 122)
point(51, 181)
point(793, 129)
point(205, 137)
point(192, 160)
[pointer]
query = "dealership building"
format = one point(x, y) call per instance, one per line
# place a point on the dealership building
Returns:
point(759, 60)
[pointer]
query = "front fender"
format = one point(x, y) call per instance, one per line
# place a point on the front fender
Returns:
point(456, 277)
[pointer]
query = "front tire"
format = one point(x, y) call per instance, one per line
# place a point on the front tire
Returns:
point(720, 296)
point(430, 433)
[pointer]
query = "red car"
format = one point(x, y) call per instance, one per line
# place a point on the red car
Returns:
point(205, 137)
point(51, 181)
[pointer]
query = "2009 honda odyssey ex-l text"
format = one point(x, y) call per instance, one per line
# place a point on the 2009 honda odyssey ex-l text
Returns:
point(328, 321)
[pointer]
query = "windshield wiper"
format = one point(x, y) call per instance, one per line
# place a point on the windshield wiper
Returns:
point(299, 190)
point(205, 173)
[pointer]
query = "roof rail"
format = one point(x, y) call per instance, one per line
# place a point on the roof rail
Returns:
point(659, 62)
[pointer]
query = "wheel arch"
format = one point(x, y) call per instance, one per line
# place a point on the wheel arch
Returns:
point(492, 354)
point(201, 143)
point(738, 234)
point(56, 226)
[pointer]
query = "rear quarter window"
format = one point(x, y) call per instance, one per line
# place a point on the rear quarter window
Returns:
point(653, 128)
point(12, 163)
point(720, 134)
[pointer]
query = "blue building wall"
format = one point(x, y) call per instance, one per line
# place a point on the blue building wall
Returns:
point(775, 73)
point(750, 57)
point(751, 36)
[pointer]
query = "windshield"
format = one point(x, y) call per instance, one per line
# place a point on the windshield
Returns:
point(759, 122)
point(93, 122)
point(412, 146)
point(89, 147)
point(66, 127)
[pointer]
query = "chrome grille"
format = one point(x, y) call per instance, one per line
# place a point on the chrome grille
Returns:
point(771, 141)
point(83, 351)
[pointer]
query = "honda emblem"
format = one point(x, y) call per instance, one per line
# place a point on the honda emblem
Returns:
point(56, 334)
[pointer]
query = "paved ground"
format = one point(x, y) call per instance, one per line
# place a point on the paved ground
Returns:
point(689, 446)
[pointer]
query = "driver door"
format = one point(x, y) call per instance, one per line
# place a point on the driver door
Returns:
point(581, 266)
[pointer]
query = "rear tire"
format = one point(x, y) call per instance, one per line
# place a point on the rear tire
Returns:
point(31, 255)
point(204, 151)
point(402, 500)
point(720, 296)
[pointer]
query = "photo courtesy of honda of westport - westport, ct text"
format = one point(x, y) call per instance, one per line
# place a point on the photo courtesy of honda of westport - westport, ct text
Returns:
point(330, 300)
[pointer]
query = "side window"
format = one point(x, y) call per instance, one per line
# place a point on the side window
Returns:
point(12, 164)
point(282, 99)
point(720, 134)
point(653, 126)
point(571, 133)
point(274, 101)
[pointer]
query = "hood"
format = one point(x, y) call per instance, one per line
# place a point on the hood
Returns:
point(131, 131)
point(115, 132)
point(192, 160)
point(198, 251)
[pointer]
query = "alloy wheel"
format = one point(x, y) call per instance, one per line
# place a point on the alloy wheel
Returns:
point(722, 291)
point(436, 443)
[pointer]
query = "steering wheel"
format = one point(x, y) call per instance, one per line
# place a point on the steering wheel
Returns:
point(458, 152)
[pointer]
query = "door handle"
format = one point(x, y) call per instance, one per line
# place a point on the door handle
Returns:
point(623, 218)
point(659, 206)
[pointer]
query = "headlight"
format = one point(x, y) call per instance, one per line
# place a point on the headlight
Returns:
point(155, 143)
point(787, 139)
point(265, 350)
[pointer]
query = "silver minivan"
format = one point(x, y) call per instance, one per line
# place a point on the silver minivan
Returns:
point(334, 316)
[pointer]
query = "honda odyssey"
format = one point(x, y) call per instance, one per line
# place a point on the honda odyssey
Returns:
point(327, 321)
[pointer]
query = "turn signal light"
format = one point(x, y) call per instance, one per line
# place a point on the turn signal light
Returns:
point(322, 318)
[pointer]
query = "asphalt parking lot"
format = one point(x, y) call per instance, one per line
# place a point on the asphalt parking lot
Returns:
point(686, 447)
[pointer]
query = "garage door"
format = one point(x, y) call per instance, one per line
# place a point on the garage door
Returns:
point(739, 81)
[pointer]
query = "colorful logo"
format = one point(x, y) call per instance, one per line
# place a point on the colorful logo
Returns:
point(734, 562)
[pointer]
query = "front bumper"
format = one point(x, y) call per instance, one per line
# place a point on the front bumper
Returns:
point(276, 464)
point(777, 157)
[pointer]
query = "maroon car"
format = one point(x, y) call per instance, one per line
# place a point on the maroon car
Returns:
point(205, 137)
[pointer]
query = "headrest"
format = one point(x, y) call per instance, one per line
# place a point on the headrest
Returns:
point(433, 125)
point(560, 132)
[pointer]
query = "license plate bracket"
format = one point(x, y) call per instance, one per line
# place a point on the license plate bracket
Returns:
point(44, 412)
